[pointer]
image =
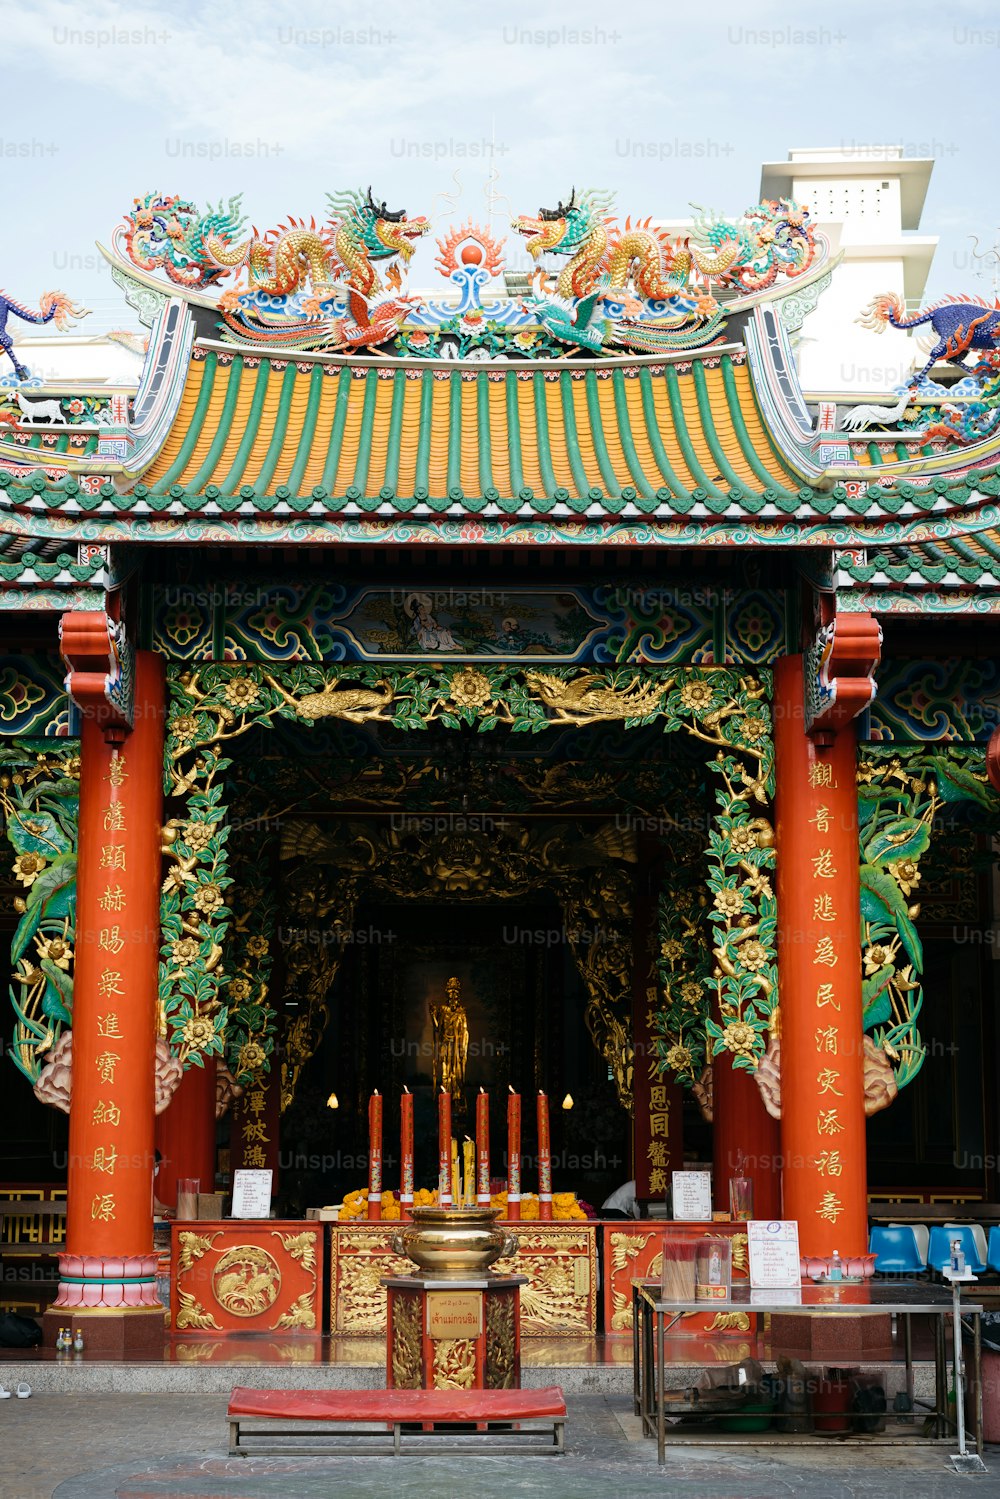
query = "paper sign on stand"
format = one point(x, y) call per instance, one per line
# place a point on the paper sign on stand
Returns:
point(692, 1196)
point(251, 1194)
point(774, 1254)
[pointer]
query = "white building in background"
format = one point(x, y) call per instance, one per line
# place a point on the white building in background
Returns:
point(868, 200)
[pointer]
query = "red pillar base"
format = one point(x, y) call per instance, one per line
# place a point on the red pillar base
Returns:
point(127, 1332)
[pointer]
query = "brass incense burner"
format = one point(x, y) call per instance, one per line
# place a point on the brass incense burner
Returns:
point(454, 1243)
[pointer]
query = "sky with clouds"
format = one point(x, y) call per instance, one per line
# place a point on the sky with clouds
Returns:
point(443, 107)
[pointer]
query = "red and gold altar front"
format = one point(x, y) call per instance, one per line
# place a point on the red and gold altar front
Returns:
point(247, 1275)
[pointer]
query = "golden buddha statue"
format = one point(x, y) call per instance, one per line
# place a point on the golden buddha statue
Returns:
point(450, 1031)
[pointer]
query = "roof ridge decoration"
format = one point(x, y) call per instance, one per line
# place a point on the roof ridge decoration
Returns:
point(960, 323)
point(55, 306)
point(631, 287)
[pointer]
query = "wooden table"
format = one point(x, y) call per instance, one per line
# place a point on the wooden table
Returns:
point(654, 1318)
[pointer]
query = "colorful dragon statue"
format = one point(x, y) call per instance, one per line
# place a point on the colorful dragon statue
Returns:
point(771, 238)
point(198, 250)
point(168, 233)
point(960, 324)
point(55, 306)
point(365, 231)
point(279, 263)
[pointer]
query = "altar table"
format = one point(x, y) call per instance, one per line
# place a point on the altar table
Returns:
point(559, 1260)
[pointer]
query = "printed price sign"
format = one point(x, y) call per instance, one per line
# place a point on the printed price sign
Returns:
point(692, 1196)
point(251, 1194)
point(774, 1254)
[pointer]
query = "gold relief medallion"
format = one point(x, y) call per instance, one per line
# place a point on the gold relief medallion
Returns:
point(246, 1281)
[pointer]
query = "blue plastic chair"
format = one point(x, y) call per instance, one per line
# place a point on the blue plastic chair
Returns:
point(993, 1252)
point(939, 1250)
point(895, 1251)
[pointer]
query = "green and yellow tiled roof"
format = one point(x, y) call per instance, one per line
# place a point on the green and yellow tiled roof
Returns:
point(447, 439)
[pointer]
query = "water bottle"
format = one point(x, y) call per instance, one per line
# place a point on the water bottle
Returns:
point(836, 1266)
point(78, 1342)
point(957, 1257)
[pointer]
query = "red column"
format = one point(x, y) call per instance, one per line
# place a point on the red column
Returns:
point(185, 1134)
point(824, 1183)
point(108, 1269)
point(742, 1129)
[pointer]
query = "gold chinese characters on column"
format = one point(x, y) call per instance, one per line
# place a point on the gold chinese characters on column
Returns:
point(111, 1028)
point(825, 963)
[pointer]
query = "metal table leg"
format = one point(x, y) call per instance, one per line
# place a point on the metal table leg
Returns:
point(636, 1361)
point(661, 1417)
point(908, 1354)
point(940, 1377)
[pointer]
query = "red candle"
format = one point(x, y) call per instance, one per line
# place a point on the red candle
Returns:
point(483, 1148)
point(514, 1155)
point(406, 1153)
point(544, 1159)
point(444, 1149)
point(375, 1156)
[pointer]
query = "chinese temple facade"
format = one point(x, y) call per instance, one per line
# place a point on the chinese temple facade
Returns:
point(547, 632)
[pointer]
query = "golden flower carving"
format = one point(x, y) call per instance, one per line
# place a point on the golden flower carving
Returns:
point(739, 1037)
point(198, 1033)
point(729, 902)
point(56, 950)
point(679, 1058)
point(742, 839)
point(184, 728)
point(198, 835)
point(184, 951)
point(208, 898)
point(252, 1055)
point(242, 691)
point(671, 950)
point(753, 955)
point(258, 947)
point(470, 689)
point(906, 874)
point(753, 728)
point(697, 695)
point(28, 866)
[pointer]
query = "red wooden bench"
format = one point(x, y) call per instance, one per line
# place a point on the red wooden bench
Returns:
point(396, 1421)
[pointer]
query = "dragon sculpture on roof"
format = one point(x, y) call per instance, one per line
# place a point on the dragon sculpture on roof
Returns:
point(673, 276)
point(55, 306)
point(960, 324)
point(165, 232)
point(748, 253)
point(197, 250)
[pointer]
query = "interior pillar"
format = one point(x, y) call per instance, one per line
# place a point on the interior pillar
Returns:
point(107, 1276)
point(185, 1134)
point(824, 1183)
point(744, 1137)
